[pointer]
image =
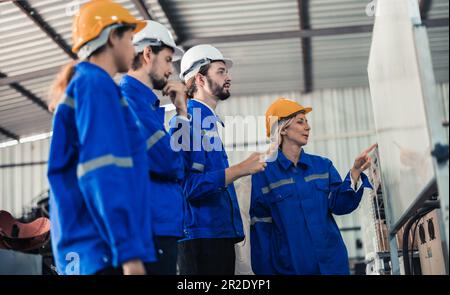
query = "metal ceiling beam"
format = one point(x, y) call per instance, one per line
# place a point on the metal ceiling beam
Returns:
point(346, 30)
point(180, 36)
point(143, 11)
point(425, 6)
point(303, 13)
point(28, 94)
point(28, 76)
point(142, 8)
point(436, 22)
point(282, 35)
point(168, 11)
point(431, 23)
point(33, 14)
point(8, 133)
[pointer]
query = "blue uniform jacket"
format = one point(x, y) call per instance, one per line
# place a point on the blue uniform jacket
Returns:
point(292, 227)
point(99, 209)
point(165, 165)
point(212, 209)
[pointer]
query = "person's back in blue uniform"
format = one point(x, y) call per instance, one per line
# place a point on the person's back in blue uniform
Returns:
point(150, 70)
point(101, 221)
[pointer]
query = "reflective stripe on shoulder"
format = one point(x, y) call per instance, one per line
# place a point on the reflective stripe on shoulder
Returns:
point(68, 101)
point(152, 140)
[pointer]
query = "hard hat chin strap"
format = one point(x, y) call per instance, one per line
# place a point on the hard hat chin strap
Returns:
point(87, 49)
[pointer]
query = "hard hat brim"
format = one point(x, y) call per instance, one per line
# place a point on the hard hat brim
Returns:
point(228, 62)
point(306, 110)
point(177, 53)
point(139, 25)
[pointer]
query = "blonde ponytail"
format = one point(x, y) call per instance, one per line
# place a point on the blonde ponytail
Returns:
point(60, 84)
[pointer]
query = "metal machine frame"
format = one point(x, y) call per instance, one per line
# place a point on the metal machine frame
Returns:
point(438, 141)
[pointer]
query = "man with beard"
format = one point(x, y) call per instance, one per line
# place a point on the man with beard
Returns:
point(212, 218)
point(152, 66)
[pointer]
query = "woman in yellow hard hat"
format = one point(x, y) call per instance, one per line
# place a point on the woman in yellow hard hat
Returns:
point(100, 212)
point(292, 227)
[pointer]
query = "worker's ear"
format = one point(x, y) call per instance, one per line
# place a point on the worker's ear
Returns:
point(113, 39)
point(147, 55)
point(199, 80)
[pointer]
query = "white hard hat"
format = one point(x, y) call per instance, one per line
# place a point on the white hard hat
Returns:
point(198, 56)
point(155, 34)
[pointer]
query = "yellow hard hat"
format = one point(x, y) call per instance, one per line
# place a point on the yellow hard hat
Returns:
point(95, 16)
point(283, 108)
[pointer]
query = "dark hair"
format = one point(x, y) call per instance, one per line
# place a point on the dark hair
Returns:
point(119, 32)
point(137, 62)
point(192, 87)
point(65, 75)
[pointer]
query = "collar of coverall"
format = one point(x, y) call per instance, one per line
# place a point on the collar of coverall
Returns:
point(212, 111)
point(303, 160)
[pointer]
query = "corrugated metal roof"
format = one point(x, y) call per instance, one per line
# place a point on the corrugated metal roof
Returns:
point(439, 52)
point(277, 65)
point(439, 9)
point(329, 13)
point(261, 65)
point(203, 18)
point(158, 14)
point(340, 60)
point(21, 116)
point(58, 14)
point(24, 47)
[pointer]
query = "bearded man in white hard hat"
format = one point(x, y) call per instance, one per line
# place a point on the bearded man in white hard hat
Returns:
point(152, 66)
point(213, 222)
